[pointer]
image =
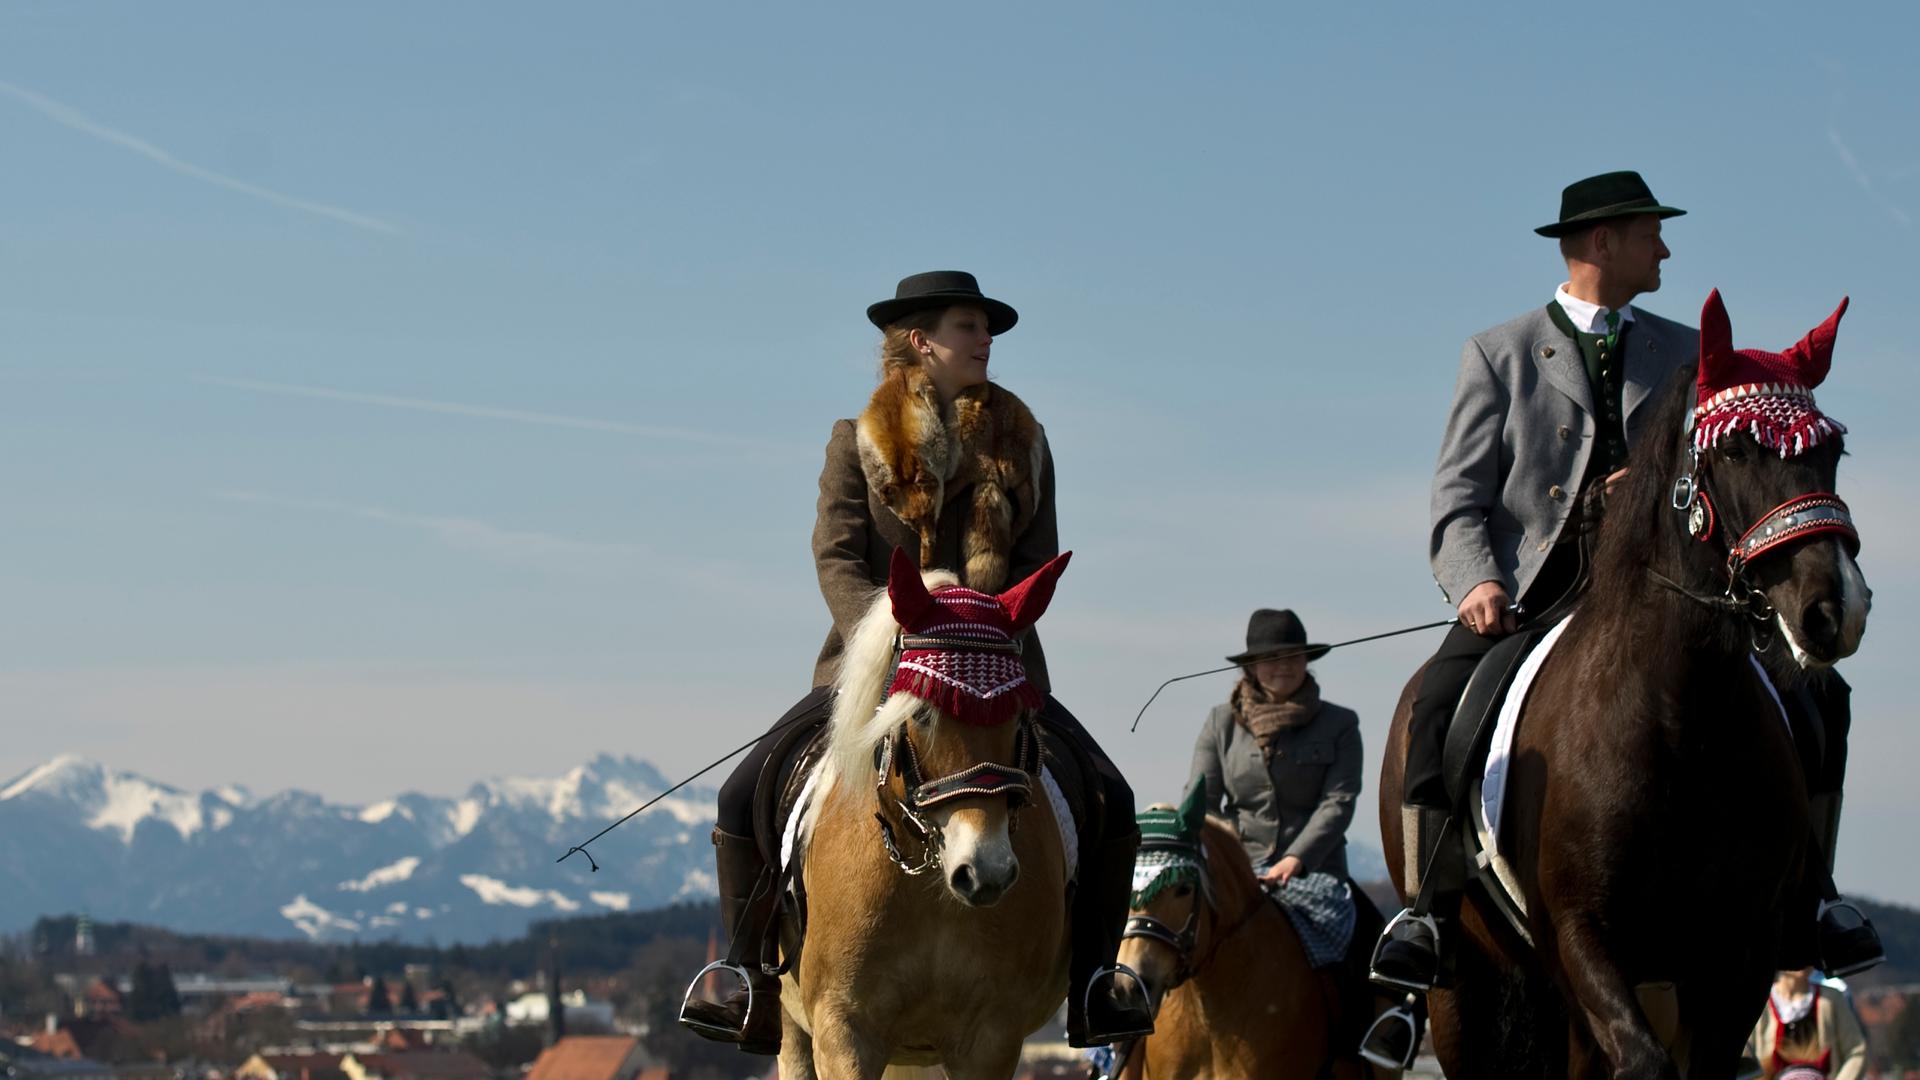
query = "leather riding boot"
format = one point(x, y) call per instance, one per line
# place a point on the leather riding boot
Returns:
point(749, 1015)
point(1408, 955)
point(1848, 942)
point(1106, 1002)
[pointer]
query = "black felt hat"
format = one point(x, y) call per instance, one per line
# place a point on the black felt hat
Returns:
point(941, 289)
point(1600, 198)
point(1273, 633)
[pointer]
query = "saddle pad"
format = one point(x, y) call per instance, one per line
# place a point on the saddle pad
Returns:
point(1493, 786)
point(800, 823)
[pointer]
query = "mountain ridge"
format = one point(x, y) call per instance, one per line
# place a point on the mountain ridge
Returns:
point(76, 834)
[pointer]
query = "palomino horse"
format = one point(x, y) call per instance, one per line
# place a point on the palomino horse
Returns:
point(1656, 815)
point(935, 869)
point(1234, 992)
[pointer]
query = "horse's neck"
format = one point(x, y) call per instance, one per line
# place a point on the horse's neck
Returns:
point(1255, 968)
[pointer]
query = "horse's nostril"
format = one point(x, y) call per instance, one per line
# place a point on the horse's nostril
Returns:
point(963, 880)
point(1821, 623)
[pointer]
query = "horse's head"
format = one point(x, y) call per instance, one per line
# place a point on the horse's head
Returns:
point(1190, 869)
point(1757, 487)
point(935, 710)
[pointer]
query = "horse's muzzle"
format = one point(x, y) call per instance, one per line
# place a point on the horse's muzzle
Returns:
point(975, 888)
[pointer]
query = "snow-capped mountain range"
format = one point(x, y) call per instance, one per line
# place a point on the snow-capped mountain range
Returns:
point(79, 836)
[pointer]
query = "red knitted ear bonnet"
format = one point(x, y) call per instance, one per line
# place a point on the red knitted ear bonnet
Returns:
point(958, 647)
point(1768, 395)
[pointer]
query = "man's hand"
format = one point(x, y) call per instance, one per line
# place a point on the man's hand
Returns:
point(1282, 872)
point(1487, 610)
point(1612, 478)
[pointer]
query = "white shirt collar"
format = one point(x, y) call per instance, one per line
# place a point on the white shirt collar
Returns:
point(1588, 318)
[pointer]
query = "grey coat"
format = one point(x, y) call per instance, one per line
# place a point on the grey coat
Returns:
point(1517, 442)
point(1301, 802)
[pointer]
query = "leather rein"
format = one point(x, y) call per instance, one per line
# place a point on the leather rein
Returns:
point(896, 755)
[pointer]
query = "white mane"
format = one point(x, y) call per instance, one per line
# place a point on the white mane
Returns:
point(862, 712)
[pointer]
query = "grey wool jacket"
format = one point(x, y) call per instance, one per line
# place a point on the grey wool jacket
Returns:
point(1518, 439)
point(1301, 802)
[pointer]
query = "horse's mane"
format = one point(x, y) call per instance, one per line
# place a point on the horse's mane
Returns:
point(1640, 529)
point(863, 714)
point(1229, 871)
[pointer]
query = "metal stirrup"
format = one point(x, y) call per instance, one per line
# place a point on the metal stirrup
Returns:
point(1106, 976)
point(1406, 915)
point(746, 982)
point(1399, 1014)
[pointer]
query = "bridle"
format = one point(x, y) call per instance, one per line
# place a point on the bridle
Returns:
point(1810, 514)
point(1184, 940)
point(895, 755)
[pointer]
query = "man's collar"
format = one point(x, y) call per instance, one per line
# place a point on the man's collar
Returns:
point(1588, 317)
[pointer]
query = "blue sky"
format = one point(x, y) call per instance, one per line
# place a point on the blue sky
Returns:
point(394, 395)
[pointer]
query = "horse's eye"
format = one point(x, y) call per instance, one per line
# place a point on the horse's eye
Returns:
point(1183, 891)
point(1734, 452)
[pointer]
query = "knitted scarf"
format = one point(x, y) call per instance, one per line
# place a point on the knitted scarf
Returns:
point(1265, 718)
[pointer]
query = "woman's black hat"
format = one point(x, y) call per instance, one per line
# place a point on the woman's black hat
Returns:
point(941, 289)
point(1273, 633)
point(1599, 198)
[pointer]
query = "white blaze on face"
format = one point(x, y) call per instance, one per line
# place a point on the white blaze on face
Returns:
point(1857, 599)
point(973, 838)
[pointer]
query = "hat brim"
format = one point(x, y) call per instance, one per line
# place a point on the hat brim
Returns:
point(1000, 316)
point(1607, 213)
point(1311, 651)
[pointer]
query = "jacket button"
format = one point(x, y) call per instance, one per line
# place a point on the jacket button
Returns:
point(1565, 433)
point(1556, 493)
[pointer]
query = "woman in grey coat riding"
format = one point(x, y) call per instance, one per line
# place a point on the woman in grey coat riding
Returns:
point(1284, 766)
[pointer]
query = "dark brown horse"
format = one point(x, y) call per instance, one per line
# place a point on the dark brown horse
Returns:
point(1656, 815)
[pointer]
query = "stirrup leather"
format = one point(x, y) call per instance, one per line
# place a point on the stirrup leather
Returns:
point(1399, 1014)
point(710, 1030)
point(1104, 978)
point(1386, 936)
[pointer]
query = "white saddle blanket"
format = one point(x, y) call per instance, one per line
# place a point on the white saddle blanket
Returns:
point(1493, 787)
point(800, 824)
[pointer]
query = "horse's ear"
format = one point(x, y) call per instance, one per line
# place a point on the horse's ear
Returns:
point(1716, 345)
point(1027, 601)
point(907, 591)
point(1193, 808)
point(1812, 355)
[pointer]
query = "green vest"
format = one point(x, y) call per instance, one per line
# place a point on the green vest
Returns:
point(1604, 378)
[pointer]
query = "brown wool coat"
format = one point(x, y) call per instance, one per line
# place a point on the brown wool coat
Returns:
point(854, 534)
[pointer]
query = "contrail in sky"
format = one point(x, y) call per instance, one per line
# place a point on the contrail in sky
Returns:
point(79, 121)
point(483, 412)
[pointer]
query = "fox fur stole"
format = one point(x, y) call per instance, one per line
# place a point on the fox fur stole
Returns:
point(917, 456)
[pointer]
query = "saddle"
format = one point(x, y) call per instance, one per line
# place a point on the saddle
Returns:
point(1463, 762)
point(1471, 733)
